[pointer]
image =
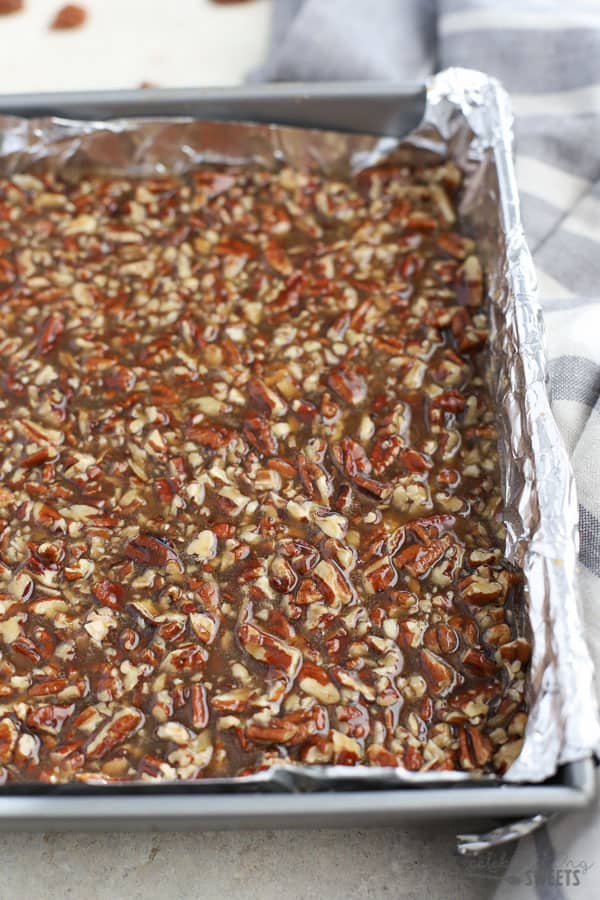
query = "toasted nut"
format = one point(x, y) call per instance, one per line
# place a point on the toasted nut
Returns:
point(122, 725)
point(475, 748)
point(516, 650)
point(379, 575)
point(331, 523)
point(281, 575)
point(205, 626)
point(150, 551)
point(348, 385)
point(9, 734)
point(480, 592)
point(204, 546)
point(441, 677)
point(346, 750)
point(441, 639)
point(70, 16)
point(187, 658)
point(270, 650)
point(507, 754)
point(316, 682)
point(336, 588)
point(498, 634)
point(302, 555)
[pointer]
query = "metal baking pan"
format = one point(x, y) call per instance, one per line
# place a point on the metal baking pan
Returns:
point(386, 109)
point(389, 109)
point(168, 808)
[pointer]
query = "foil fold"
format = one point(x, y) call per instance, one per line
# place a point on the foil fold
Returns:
point(467, 119)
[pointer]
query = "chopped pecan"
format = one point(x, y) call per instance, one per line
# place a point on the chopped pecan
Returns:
point(385, 450)
point(373, 488)
point(475, 747)
point(347, 384)
point(518, 649)
point(275, 732)
point(211, 436)
point(352, 457)
point(441, 676)
point(121, 726)
point(441, 639)
point(9, 734)
point(334, 583)
point(302, 556)
point(281, 575)
point(151, 551)
point(269, 650)
point(261, 436)
point(480, 591)
point(477, 661)
point(419, 558)
point(268, 400)
point(309, 592)
point(380, 575)
point(108, 593)
point(49, 718)
point(50, 331)
point(317, 683)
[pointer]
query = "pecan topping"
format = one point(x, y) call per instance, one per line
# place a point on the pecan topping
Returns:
point(249, 490)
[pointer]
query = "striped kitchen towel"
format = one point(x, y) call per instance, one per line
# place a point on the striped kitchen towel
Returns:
point(547, 54)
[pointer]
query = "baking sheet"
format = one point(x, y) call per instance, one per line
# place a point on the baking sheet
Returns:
point(467, 118)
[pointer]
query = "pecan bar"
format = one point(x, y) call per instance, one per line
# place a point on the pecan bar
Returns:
point(249, 491)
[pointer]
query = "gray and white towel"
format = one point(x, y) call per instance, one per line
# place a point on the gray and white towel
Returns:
point(547, 54)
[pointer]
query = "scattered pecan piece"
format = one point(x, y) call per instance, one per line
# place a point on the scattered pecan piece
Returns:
point(72, 15)
point(10, 6)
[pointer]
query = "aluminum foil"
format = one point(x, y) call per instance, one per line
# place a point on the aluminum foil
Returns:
point(468, 119)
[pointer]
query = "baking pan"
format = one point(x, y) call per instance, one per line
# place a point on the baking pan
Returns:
point(167, 808)
point(380, 109)
point(387, 109)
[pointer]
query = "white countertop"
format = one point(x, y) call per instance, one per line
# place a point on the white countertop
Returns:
point(384, 864)
point(177, 43)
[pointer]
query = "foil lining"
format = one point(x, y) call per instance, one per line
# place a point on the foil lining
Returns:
point(475, 844)
point(467, 119)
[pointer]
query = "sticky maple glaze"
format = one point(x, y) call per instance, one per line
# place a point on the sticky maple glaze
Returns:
point(250, 506)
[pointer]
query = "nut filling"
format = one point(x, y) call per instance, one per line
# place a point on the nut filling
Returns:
point(249, 487)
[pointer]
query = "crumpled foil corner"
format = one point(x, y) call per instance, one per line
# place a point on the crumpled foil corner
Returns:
point(541, 508)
